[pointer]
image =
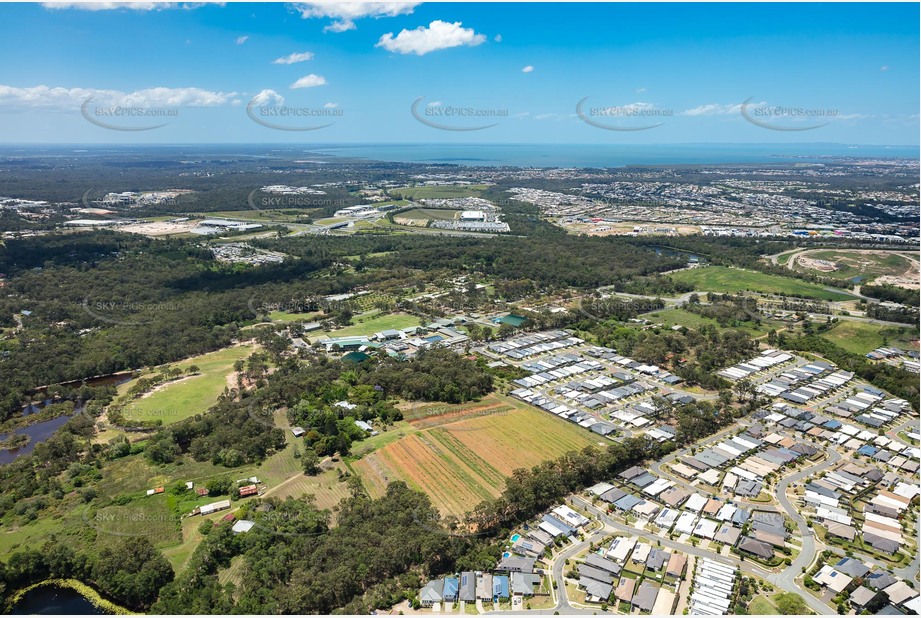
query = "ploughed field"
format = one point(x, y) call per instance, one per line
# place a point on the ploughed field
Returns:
point(461, 455)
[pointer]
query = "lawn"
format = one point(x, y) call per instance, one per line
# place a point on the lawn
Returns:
point(463, 454)
point(427, 214)
point(760, 606)
point(863, 337)
point(436, 192)
point(191, 395)
point(732, 280)
point(369, 325)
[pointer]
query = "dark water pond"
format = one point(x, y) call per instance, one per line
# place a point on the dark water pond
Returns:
point(52, 599)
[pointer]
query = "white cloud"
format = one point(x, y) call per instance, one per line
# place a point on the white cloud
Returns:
point(497, 38)
point(242, 39)
point(527, 69)
point(294, 57)
point(309, 81)
point(331, 105)
point(544, 116)
point(640, 90)
point(268, 98)
point(884, 68)
point(344, 14)
point(44, 97)
point(438, 35)
point(434, 104)
point(135, 6)
point(716, 109)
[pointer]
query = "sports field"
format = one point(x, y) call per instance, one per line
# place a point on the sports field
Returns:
point(463, 455)
point(369, 325)
point(731, 280)
point(863, 337)
point(187, 396)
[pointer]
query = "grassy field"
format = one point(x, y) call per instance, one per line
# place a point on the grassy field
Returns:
point(862, 337)
point(461, 455)
point(191, 395)
point(429, 214)
point(368, 325)
point(680, 317)
point(280, 215)
point(760, 606)
point(436, 192)
point(731, 280)
point(857, 264)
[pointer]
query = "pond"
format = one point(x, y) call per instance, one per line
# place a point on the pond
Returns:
point(37, 432)
point(53, 599)
point(669, 252)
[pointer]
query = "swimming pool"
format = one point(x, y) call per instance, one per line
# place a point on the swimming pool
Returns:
point(515, 537)
point(506, 555)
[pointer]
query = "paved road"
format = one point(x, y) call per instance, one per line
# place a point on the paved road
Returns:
point(746, 567)
point(807, 555)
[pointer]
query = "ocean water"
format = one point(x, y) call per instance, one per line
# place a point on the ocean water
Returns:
point(603, 155)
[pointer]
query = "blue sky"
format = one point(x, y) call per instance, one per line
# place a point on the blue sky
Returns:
point(645, 73)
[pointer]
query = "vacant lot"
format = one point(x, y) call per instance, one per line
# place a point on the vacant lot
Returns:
point(856, 266)
point(188, 396)
point(862, 337)
point(680, 317)
point(731, 280)
point(467, 457)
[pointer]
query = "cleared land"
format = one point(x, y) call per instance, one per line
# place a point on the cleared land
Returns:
point(862, 337)
point(680, 317)
point(731, 280)
point(463, 454)
point(190, 395)
point(857, 266)
point(435, 192)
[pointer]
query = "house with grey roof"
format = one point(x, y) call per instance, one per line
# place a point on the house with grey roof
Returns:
point(756, 548)
point(467, 586)
point(523, 584)
point(596, 574)
point(645, 597)
point(596, 561)
point(431, 593)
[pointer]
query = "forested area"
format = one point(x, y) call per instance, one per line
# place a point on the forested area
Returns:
point(891, 293)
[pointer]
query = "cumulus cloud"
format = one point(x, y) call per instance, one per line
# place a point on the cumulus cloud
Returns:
point(331, 105)
point(294, 57)
point(344, 14)
point(527, 69)
point(267, 98)
point(438, 35)
point(51, 98)
point(309, 81)
point(135, 6)
point(242, 39)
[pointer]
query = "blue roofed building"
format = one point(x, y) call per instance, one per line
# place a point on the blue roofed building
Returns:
point(500, 587)
point(450, 589)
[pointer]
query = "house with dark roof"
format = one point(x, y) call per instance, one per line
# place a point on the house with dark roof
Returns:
point(645, 597)
point(595, 588)
point(656, 559)
point(854, 568)
point(631, 473)
point(756, 548)
point(596, 561)
point(597, 574)
point(881, 544)
point(515, 564)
